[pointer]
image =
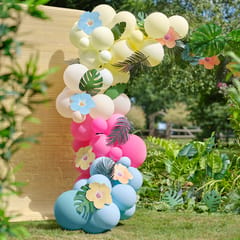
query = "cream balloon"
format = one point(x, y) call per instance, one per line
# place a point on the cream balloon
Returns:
point(180, 25)
point(122, 104)
point(129, 18)
point(104, 107)
point(72, 75)
point(78, 117)
point(120, 51)
point(102, 38)
point(153, 51)
point(76, 35)
point(105, 56)
point(135, 39)
point(156, 25)
point(106, 12)
point(89, 58)
point(63, 103)
point(107, 77)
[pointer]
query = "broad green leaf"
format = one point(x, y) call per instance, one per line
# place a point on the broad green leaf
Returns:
point(118, 30)
point(225, 165)
point(172, 198)
point(234, 36)
point(91, 82)
point(210, 143)
point(188, 150)
point(207, 41)
point(115, 91)
point(212, 199)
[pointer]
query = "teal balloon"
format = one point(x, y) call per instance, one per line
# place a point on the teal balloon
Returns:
point(137, 180)
point(107, 217)
point(80, 183)
point(124, 196)
point(125, 161)
point(99, 178)
point(128, 213)
point(91, 227)
point(65, 212)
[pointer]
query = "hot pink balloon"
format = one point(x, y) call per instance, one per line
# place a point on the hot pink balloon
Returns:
point(78, 144)
point(83, 174)
point(115, 153)
point(135, 149)
point(99, 145)
point(99, 125)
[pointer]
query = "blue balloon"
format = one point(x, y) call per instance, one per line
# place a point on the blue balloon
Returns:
point(137, 180)
point(125, 161)
point(107, 217)
point(91, 227)
point(124, 196)
point(128, 213)
point(100, 179)
point(65, 212)
point(80, 183)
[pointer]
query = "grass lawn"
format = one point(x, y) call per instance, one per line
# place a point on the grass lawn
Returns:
point(150, 225)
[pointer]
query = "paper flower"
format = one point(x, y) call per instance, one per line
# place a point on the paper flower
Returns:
point(209, 62)
point(169, 39)
point(121, 174)
point(82, 102)
point(84, 157)
point(89, 21)
point(99, 194)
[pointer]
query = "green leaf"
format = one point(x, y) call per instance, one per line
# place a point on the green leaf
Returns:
point(136, 61)
point(225, 165)
point(206, 40)
point(172, 198)
point(212, 199)
point(119, 133)
point(234, 36)
point(91, 82)
point(115, 91)
point(118, 30)
point(188, 150)
point(210, 143)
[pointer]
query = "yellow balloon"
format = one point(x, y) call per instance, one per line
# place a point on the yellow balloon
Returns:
point(154, 51)
point(102, 38)
point(106, 12)
point(122, 104)
point(104, 107)
point(89, 58)
point(179, 24)
point(105, 56)
point(76, 35)
point(120, 51)
point(156, 25)
point(135, 39)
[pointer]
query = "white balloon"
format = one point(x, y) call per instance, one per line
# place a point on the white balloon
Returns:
point(104, 107)
point(135, 39)
point(179, 24)
point(84, 42)
point(89, 58)
point(156, 25)
point(76, 35)
point(102, 38)
point(72, 75)
point(121, 51)
point(107, 77)
point(122, 104)
point(106, 12)
point(63, 103)
point(105, 56)
point(154, 51)
point(78, 117)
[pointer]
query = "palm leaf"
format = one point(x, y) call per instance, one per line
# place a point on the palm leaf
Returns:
point(118, 30)
point(172, 198)
point(207, 41)
point(83, 206)
point(120, 132)
point(212, 199)
point(136, 61)
point(91, 82)
point(105, 167)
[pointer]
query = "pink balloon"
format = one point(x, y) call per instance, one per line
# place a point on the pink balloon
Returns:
point(99, 145)
point(78, 144)
point(83, 174)
point(111, 121)
point(115, 153)
point(82, 131)
point(99, 125)
point(135, 149)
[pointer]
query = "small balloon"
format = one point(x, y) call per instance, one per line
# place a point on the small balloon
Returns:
point(128, 213)
point(125, 161)
point(180, 25)
point(99, 125)
point(106, 12)
point(115, 153)
point(99, 145)
point(122, 104)
point(107, 77)
point(137, 180)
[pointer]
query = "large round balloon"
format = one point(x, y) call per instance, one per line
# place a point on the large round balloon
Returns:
point(179, 24)
point(99, 178)
point(106, 12)
point(137, 180)
point(65, 212)
point(128, 213)
point(122, 104)
point(135, 149)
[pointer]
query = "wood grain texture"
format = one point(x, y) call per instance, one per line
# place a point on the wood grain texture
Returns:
point(48, 167)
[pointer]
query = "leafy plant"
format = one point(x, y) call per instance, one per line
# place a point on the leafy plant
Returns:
point(212, 199)
point(120, 132)
point(91, 82)
point(172, 198)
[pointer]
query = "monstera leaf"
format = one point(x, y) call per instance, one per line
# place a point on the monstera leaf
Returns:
point(91, 82)
point(212, 199)
point(120, 132)
point(188, 150)
point(105, 167)
point(207, 41)
point(136, 61)
point(172, 198)
point(118, 30)
point(116, 90)
point(83, 206)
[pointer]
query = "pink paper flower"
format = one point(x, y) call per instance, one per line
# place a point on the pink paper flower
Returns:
point(209, 62)
point(169, 39)
point(121, 174)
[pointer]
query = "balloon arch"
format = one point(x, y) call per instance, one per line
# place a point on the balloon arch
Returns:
point(110, 44)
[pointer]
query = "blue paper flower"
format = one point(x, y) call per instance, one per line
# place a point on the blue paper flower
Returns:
point(82, 102)
point(89, 21)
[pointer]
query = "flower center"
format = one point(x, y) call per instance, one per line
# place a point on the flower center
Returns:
point(98, 195)
point(85, 158)
point(119, 174)
point(167, 37)
point(90, 22)
point(207, 59)
point(82, 103)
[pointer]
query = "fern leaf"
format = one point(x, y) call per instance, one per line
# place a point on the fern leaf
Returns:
point(91, 82)
point(105, 167)
point(136, 60)
point(172, 198)
point(212, 199)
point(120, 132)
